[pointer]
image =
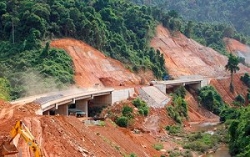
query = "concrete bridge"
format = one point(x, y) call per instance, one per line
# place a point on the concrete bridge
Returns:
point(83, 99)
point(169, 85)
point(59, 102)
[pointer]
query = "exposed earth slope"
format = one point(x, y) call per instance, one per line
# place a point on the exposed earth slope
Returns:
point(185, 56)
point(92, 67)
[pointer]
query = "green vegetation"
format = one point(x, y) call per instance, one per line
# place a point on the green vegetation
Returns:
point(211, 100)
point(246, 79)
point(201, 142)
point(179, 109)
point(120, 29)
point(142, 106)
point(158, 146)
point(125, 118)
point(122, 121)
point(4, 89)
point(232, 66)
point(214, 11)
point(174, 129)
point(179, 153)
point(239, 131)
point(239, 100)
point(127, 111)
point(207, 32)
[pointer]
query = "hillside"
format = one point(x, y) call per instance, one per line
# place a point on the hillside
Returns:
point(93, 68)
point(185, 56)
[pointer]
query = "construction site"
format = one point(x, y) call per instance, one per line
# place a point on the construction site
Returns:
point(49, 125)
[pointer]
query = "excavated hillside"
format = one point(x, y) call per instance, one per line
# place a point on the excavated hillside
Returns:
point(185, 56)
point(93, 68)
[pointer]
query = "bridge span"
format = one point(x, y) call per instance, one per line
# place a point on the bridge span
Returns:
point(89, 100)
point(170, 85)
point(83, 99)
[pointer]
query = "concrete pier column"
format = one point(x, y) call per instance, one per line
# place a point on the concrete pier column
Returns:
point(62, 110)
point(83, 105)
point(46, 113)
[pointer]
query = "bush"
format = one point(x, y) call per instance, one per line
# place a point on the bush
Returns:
point(127, 111)
point(201, 142)
point(246, 79)
point(142, 106)
point(180, 91)
point(122, 121)
point(211, 99)
point(138, 102)
point(158, 146)
point(239, 100)
point(174, 129)
point(179, 109)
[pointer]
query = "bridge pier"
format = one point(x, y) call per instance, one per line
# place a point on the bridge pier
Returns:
point(83, 105)
point(62, 109)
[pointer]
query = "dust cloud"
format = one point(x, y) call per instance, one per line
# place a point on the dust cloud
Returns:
point(34, 83)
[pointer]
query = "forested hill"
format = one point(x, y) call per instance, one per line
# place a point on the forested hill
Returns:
point(120, 29)
point(235, 13)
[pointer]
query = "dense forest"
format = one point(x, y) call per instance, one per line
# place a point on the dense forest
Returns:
point(230, 12)
point(120, 29)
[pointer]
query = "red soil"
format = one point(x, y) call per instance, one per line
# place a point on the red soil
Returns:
point(185, 56)
point(93, 68)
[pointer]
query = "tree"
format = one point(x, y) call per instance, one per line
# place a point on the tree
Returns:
point(232, 66)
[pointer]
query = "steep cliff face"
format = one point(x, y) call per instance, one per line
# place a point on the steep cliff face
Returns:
point(185, 56)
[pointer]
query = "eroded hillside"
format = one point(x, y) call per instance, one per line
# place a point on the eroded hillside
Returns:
point(185, 56)
point(92, 67)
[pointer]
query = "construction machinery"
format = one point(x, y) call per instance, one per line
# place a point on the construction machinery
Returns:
point(8, 148)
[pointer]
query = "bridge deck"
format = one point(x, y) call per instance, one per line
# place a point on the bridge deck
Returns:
point(179, 82)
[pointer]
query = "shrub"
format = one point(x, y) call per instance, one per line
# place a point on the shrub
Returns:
point(179, 109)
point(201, 141)
point(158, 146)
point(210, 99)
point(246, 79)
point(142, 106)
point(122, 121)
point(180, 91)
point(173, 129)
point(239, 100)
point(127, 111)
point(138, 102)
